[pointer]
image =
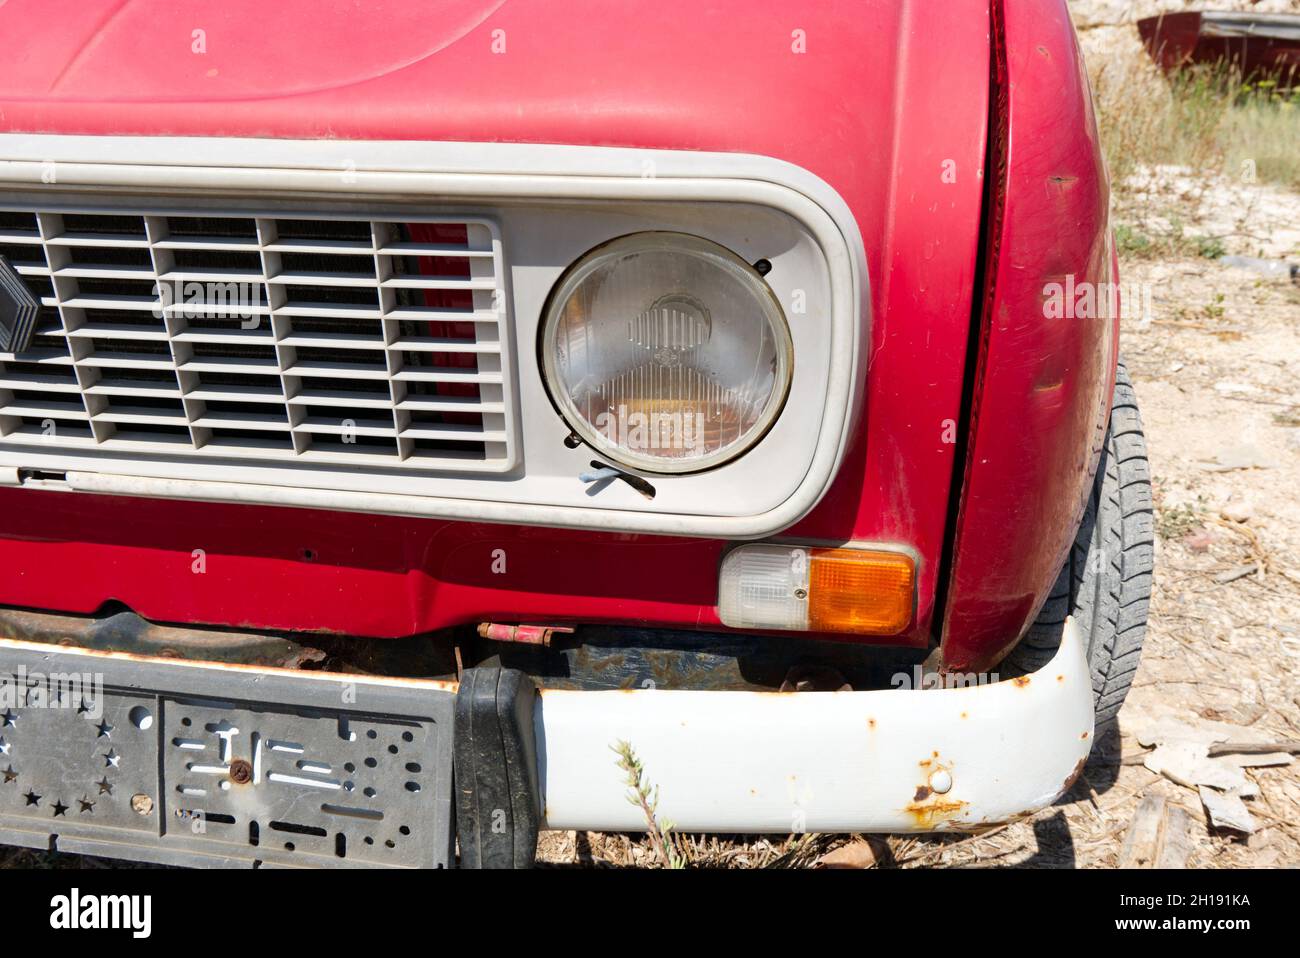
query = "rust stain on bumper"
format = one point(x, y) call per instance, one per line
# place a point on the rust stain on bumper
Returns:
point(933, 813)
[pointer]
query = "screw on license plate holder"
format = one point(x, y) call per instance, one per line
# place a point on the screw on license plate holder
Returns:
point(202, 764)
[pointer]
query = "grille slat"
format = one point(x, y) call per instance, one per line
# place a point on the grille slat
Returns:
point(302, 341)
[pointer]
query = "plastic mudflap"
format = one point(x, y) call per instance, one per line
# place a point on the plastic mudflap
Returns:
point(206, 764)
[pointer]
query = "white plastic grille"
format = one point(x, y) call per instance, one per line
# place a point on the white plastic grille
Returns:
point(305, 340)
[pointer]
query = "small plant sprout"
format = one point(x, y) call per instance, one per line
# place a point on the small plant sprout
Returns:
point(646, 797)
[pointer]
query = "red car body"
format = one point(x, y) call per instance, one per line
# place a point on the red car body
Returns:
point(959, 133)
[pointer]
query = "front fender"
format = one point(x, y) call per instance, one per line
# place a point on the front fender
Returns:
point(1045, 368)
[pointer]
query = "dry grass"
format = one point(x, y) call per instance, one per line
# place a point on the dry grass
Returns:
point(1265, 130)
point(1200, 131)
point(1206, 120)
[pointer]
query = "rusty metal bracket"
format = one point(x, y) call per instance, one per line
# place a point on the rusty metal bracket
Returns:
point(525, 634)
point(125, 631)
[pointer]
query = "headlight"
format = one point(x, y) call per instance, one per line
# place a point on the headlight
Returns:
point(666, 352)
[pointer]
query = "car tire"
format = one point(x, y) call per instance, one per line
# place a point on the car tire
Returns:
point(1106, 580)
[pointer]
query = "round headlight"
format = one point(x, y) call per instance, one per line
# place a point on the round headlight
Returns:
point(667, 352)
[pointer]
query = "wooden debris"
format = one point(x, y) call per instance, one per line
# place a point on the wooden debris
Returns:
point(1176, 848)
point(1158, 836)
point(864, 852)
point(1291, 747)
point(1227, 810)
point(1186, 764)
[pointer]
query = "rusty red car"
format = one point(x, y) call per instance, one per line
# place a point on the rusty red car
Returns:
point(395, 420)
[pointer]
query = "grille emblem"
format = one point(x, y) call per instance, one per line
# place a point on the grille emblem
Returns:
point(18, 309)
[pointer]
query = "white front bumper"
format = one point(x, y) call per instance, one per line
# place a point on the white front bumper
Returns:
point(820, 761)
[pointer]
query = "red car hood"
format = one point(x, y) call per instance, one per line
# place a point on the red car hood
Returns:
point(138, 50)
point(886, 100)
point(719, 75)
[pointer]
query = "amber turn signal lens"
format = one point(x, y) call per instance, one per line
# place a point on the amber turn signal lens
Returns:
point(859, 591)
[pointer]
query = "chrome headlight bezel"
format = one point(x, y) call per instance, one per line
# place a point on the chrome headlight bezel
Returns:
point(722, 258)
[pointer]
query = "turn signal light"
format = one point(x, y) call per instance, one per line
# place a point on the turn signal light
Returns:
point(797, 588)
